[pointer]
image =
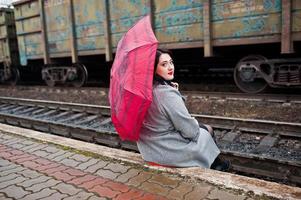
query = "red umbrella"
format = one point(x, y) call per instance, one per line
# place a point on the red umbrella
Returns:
point(131, 79)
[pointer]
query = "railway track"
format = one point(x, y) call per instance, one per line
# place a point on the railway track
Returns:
point(270, 98)
point(267, 149)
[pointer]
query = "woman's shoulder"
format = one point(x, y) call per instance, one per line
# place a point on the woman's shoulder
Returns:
point(165, 91)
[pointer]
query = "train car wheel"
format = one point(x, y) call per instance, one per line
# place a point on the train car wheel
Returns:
point(15, 76)
point(246, 76)
point(81, 75)
point(49, 82)
point(47, 77)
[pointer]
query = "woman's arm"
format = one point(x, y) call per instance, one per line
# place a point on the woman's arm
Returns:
point(173, 105)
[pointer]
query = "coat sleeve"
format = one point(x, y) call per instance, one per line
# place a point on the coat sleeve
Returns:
point(173, 105)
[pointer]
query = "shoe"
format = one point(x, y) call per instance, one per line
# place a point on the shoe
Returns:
point(221, 165)
point(225, 166)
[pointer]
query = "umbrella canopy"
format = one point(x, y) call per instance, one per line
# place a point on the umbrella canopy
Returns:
point(131, 81)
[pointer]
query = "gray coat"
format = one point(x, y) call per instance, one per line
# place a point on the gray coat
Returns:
point(170, 136)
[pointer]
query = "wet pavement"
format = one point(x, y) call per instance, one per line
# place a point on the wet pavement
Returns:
point(51, 167)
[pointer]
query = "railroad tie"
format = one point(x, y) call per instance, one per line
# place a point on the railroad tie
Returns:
point(229, 138)
point(266, 143)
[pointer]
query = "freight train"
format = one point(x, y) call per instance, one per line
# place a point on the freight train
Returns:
point(63, 37)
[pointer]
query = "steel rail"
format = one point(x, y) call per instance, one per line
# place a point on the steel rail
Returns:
point(252, 125)
point(272, 98)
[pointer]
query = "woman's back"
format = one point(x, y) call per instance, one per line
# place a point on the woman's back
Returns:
point(170, 136)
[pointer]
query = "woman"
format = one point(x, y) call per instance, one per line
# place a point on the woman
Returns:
point(169, 135)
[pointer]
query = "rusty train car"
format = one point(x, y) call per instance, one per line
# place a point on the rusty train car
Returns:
point(263, 36)
point(9, 55)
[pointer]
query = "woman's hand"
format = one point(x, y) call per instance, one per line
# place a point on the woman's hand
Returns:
point(175, 85)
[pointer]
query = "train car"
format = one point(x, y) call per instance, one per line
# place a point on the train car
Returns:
point(262, 36)
point(9, 57)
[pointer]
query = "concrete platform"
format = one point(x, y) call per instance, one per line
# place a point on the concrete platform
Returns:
point(35, 165)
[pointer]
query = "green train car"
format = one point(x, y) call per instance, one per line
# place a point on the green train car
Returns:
point(9, 57)
point(62, 35)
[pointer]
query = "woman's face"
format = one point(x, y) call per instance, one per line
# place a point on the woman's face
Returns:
point(165, 67)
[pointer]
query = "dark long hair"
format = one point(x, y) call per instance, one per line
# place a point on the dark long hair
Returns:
point(157, 78)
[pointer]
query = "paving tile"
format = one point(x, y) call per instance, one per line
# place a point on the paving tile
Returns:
point(40, 186)
point(131, 194)
point(44, 168)
point(21, 142)
point(164, 180)
point(66, 189)
point(55, 169)
point(107, 174)
point(12, 171)
point(154, 188)
point(4, 163)
point(15, 192)
point(29, 173)
point(41, 153)
point(200, 191)
point(225, 195)
point(62, 176)
point(74, 172)
point(16, 157)
point(54, 196)
point(7, 137)
point(42, 194)
point(80, 158)
point(5, 154)
point(18, 145)
point(8, 167)
point(8, 177)
point(38, 147)
point(11, 141)
point(99, 165)
point(3, 197)
point(148, 196)
point(80, 196)
point(4, 184)
point(43, 161)
point(27, 148)
point(51, 149)
point(128, 175)
point(93, 183)
point(104, 191)
point(117, 186)
point(56, 154)
point(117, 168)
point(179, 192)
point(69, 162)
point(3, 148)
point(87, 164)
point(30, 182)
point(63, 156)
point(30, 164)
point(24, 159)
point(16, 152)
point(27, 142)
point(83, 179)
point(139, 179)
point(97, 198)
